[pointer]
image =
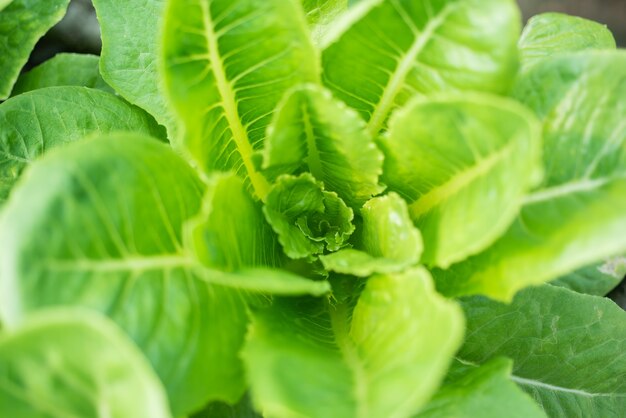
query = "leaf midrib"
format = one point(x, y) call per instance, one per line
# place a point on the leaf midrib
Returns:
point(523, 381)
point(124, 264)
point(426, 202)
point(406, 64)
point(229, 104)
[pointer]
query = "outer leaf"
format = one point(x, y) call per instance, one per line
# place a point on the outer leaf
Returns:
point(130, 48)
point(318, 360)
point(307, 219)
point(37, 121)
point(388, 241)
point(112, 217)
point(227, 65)
point(385, 51)
point(569, 350)
point(464, 163)
point(63, 70)
point(597, 279)
point(313, 132)
point(76, 364)
point(230, 233)
point(577, 217)
point(485, 392)
point(22, 23)
point(321, 13)
point(555, 33)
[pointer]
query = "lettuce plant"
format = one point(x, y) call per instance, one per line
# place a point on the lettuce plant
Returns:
point(312, 209)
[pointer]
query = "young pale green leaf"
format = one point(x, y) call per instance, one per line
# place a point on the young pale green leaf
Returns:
point(227, 64)
point(598, 279)
point(35, 122)
point(577, 217)
point(382, 52)
point(112, 211)
point(4, 3)
point(313, 132)
point(22, 23)
point(464, 164)
point(486, 391)
point(315, 359)
point(388, 242)
point(321, 13)
point(74, 363)
point(555, 33)
point(63, 70)
point(230, 232)
point(130, 47)
point(307, 219)
point(569, 350)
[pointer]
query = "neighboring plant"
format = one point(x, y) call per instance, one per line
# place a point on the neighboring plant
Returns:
point(307, 209)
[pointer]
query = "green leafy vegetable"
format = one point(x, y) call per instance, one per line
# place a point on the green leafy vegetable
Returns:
point(307, 219)
point(226, 69)
point(568, 349)
point(130, 33)
point(63, 70)
point(362, 361)
point(486, 391)
point(35, 122)
point(576, 217)
point(313, 132)
point(455, 158)
point(99, 255)
point(556, 33)
point(74, 363)
point(384, 52)
point(388, 241)
point(272, 258)
point(22, 23)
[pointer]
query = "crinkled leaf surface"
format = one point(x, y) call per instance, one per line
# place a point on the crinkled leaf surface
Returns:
point(35, 122)
point(230, 233)
point(311, 358)
point(112, 211)
point(313, 132)
point(598, 279)
point(130, 48)
point(486, 391)
point(464, 164)
point(22, 23)
point(74, 363)
point(568, 349)
point(227, 64)
point(307, 219)
point(388, 242)
point(555, 33)
point(63, 70)
point(385, 51)
point(576, 217)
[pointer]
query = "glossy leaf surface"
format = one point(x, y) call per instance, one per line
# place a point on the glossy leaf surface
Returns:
point(383, 52)
point(227, 64)
point(362, 362)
